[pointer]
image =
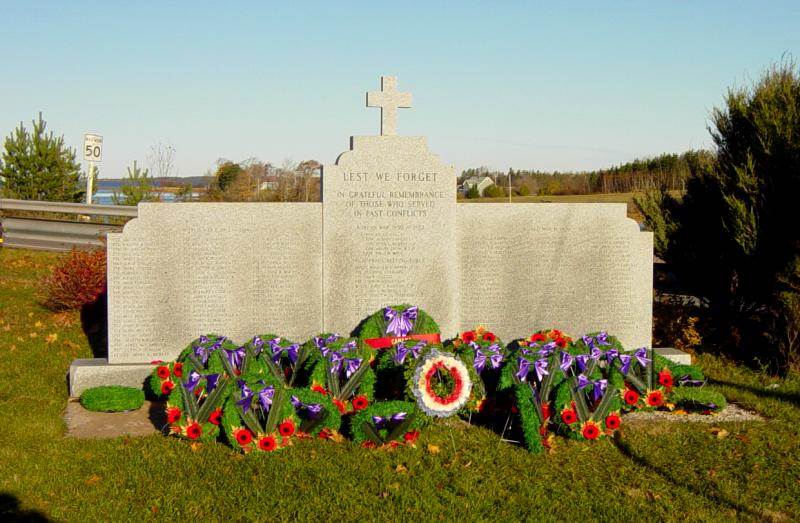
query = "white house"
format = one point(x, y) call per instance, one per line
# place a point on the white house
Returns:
point(481, 183)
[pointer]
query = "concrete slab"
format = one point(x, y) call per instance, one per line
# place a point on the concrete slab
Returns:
point(95, 372)
point(678, 356)
point(85, 424)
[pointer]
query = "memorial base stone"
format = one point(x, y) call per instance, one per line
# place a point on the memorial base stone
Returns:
point(96, 372)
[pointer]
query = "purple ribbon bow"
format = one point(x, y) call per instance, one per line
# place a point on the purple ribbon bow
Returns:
point(247, 396)
point(602, 338)
point(588, 340)
point(394, 418)
point(312, 408)
point(400, 323)
point(541, 368)
point(401, 351)
point(547, 350)
point(235, 356)
point(641, 356)
point(566, 361)
point(265, 396)
point(583, 381)
point(195, 378)
point(596, 354)
point(687, 381)
point(611, 354)
point(258, 345)
point(581, 360)
point(626, 360)
point(599, 387)
point(524, 368)
point(350, 364)
point(322, 343)
point(291, 352)
point(492, 354)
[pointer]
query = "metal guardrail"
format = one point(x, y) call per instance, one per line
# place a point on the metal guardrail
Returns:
point(58, 235)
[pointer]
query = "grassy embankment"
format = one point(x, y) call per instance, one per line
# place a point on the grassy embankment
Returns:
point(658, 471)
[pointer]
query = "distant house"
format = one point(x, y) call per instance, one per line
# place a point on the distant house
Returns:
point(270, 183)
point(481, 182)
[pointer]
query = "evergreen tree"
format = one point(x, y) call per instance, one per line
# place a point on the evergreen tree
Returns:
point(39, 166)
point(138, 187)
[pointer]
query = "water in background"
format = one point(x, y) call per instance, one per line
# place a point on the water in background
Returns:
point(106, 197)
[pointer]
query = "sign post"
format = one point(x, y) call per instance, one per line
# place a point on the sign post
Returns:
point(92, 152)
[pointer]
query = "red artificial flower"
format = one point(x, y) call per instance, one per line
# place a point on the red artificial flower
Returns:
point(631, 397)
point(243, 437)
point(368, 444)
point(216, 416)
point(468, 336)
point(325, 433)
point(319, 388)
point(489, 336)
point(394, 444)
point(340, 405)
point(555, 334)
point(411, 436)
point(665, 378)
point(177, 369)
point(561, 342)
point(655, 398)
point(194, 431)
point(163, 372)
point(613, 421)
point(546, 411)
point(286, 428)
point(173, 414)
point(167, 387)
point(267, 443)
point(360, 402)
point(569, 416)
point(590, 430)
point(537, 337)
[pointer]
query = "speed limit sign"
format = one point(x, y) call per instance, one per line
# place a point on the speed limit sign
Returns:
point(92, 147)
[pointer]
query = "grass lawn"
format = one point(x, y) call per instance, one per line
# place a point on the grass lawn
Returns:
point(657, 471)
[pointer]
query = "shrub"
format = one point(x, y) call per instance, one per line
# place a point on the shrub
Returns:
point(79, 279)
point(494, 191)
point(473, 193)
point(112, 398)
point(730, 239)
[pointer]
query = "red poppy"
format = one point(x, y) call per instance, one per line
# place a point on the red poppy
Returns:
point(655, 398)
point(489, 336)
point(665, 378)
point(360, 402)
point(368, 445)
point(561, 342)
point(167, 387)
point(590, 430)
point(320, 389)
point(215, 416)
point(546, 411)
point(177, 369)
point(163, 372)
point(194, 431)
point(394, 444)
point(555, 334)
point(613, 421)
point(569, 416)
point(267, 443)
point(538, 337)
point(468, 336)
point(243, 437)
point(411, 436)
point(631, 397)
point(340, 405)
point(325, 433)
point(173, 414)
point(286, 428)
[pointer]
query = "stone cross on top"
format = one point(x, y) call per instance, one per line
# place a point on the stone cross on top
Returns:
point(388, 99)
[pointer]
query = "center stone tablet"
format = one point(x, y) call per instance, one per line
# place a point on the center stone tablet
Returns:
point(388, 225)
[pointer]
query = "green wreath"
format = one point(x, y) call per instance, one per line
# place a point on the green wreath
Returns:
point(386, 422)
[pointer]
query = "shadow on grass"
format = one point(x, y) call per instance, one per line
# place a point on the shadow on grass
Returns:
point(721, 500)
point(11, 511)
point(157, 416)
point(94, 321)
point(789, 397)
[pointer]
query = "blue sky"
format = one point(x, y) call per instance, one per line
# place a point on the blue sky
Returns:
point(522, 84)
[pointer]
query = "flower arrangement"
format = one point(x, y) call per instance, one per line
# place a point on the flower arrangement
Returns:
point(441, 384)
point(259, 416)
point(267, 393)
point(343, 370)
point(386, 424)
point(397, 323)
point(485, 353)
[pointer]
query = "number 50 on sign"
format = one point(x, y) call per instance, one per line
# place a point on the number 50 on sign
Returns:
point(92, 147)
